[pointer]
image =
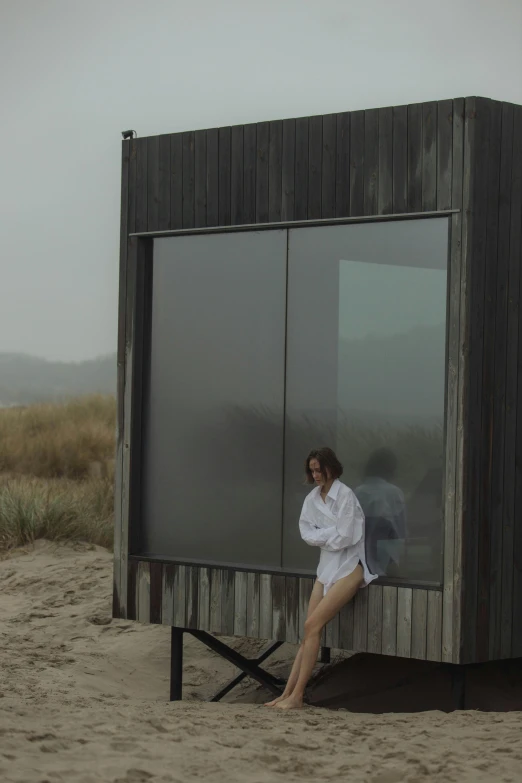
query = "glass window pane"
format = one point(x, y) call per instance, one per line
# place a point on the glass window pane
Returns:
point(213, 433)
point(366, 373)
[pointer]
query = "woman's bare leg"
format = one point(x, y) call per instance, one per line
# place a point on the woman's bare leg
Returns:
point(338, 595)
point(315, 599)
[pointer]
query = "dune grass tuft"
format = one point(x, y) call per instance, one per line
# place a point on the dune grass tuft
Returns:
point(57, 471)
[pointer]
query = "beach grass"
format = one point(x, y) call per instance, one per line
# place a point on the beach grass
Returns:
point(57, 472)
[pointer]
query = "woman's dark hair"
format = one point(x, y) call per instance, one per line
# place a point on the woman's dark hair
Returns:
point(381, 464)
point(326, 459)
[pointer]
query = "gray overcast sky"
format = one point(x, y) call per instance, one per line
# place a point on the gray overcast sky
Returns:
point(74, 73)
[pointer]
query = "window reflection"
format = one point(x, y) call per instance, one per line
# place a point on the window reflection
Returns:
point(385, 511)
point(369, 381)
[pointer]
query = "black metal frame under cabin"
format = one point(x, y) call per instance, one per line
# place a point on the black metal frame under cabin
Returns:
point(461, 158)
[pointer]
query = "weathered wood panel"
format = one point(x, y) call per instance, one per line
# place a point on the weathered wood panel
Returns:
point(262, 154)
point(237, 176)
point(385, 171)
point(301, 168)
point(228, 602)
point(204, 599)
point(253, 605)
point(499, 369)
point(492, 163)
point(176, 181)
point(389, 620)
point(141, 192)
point(152, 173)
point(169, 595)
point(331, 633)
point(328, 165)
point(288, 171)
point(400, 159)
point(315, 160)
point(404, 611)
point(346, 625)
point(475, 183)
point(513, 646)
point(357, 163)
point(216, 597)
point(434, 626)
point(143, 593)
point(130, 445)
point(189, 161)
point(371, 162)
point(240, 604)
point(292, 609)
point(249, 171)
point(429, 156)
point(278, 608)
point(444, 181)
point(224, 177)
point(131, 595)
point(119, 597)
point(192, 596)
point(342, 167)
point(375, 618)
point(415, 157)
point(164, 183)
point(200, 178)
point(305, 591)
point(419, 620)
point(275, 171)
point(454, 405)
point(156, 592)
point(212, 177)
point(265, 606)
point(360, 620)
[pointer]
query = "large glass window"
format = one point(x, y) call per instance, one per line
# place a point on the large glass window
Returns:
point(213, 415)
point(366, 340)
point(266, 344)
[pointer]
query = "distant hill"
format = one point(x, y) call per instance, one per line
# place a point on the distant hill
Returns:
point(25, 379)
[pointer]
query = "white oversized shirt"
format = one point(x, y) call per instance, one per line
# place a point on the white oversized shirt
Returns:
point(336, 525)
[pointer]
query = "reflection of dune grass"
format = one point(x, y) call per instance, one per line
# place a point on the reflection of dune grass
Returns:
point(418, 449)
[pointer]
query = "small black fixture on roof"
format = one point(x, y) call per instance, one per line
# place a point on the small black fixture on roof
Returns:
point(129, 134)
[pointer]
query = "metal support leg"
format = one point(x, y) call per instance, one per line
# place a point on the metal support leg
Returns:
point(272, 647)
point(325, 655)
point(250, 668)
point(176, 663)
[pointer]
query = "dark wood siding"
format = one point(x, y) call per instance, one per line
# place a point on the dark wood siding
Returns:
point(463, 154)
point(492, 542)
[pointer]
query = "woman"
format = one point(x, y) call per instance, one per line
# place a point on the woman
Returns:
point(332, 520)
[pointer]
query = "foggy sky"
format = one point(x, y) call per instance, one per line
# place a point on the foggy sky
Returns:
point(73, 74)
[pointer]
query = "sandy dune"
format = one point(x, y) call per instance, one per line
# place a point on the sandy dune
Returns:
point(84, 699)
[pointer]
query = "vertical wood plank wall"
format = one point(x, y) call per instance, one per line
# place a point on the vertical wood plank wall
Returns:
point(492, 491)
point(460, 154)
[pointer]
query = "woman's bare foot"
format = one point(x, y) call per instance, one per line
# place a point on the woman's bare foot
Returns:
point(279, 699)
point(291, 703)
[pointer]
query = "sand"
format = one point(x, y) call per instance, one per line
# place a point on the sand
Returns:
point(83, 698)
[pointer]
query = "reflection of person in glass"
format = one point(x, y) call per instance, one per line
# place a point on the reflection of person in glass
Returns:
point(332, 520)
point(385, 511)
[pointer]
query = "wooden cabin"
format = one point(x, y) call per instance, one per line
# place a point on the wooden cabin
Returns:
point(350, 280)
